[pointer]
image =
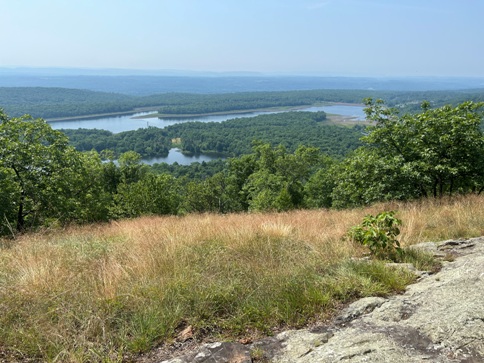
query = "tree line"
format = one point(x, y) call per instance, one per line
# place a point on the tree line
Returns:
point(44, 181)
point(64, 102)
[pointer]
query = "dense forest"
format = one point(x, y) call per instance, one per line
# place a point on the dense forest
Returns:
point(291, 129)
point(148, 142)
point(61, 102)
point(44, 181)
point(200, 104)
point(149, 84)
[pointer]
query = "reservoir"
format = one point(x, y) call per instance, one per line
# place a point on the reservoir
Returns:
point(117, 124)
point(127, 122)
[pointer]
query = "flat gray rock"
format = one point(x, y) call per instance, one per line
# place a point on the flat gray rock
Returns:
point(216, 353)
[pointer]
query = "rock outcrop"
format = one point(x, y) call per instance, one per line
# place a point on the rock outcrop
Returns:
point(438, 319)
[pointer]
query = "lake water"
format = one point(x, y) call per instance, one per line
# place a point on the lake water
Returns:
point(175, 155)
point(127, 123)
point(355, 112)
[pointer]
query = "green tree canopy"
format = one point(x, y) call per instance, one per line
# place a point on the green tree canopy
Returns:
point(441, 148)
point(42, 177)
point(33, 157)
point(433, 153)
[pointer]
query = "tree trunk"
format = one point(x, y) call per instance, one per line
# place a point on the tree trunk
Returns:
point(20, 214)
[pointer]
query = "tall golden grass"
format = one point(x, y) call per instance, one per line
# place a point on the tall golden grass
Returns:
point(94, 293)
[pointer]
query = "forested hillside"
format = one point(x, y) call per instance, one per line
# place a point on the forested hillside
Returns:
point(63, 102)
point(45, 181)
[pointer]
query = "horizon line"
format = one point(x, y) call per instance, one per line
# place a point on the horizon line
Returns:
point(185, 72)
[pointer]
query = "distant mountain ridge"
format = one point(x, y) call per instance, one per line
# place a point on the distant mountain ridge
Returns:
point(141, 83)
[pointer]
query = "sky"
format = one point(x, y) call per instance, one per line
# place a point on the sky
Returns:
point(300, 37)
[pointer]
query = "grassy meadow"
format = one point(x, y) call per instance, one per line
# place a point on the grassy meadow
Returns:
point(102, 293)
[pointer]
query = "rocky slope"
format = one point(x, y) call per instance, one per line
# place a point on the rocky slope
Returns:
point(438, 319)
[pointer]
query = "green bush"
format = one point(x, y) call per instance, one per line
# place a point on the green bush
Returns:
point(379, 234)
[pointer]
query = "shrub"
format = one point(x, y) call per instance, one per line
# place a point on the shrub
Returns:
point(379, 234)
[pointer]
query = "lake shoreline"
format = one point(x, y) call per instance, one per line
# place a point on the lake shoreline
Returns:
point(99, 115)
point(221, 113)
point(175, 116)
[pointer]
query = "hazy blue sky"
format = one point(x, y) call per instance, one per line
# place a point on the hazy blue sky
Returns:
point(327, 37)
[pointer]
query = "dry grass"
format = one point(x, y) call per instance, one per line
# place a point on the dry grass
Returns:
point(95, 293)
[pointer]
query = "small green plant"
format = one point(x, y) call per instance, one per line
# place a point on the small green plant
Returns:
point(258, 355)
point(379, 234)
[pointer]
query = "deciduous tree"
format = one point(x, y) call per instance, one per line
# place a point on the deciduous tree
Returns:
point(34, 158)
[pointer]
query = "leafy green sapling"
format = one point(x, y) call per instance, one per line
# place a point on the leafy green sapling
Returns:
point(379, 234)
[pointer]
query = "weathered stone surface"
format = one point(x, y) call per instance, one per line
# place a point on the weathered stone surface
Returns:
point(439, 319)
point(430, 247)
point(358, 308)
point(297, 344)
point(216, 353)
